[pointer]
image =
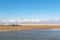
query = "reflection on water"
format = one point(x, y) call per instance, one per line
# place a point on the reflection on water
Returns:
point(31, 34)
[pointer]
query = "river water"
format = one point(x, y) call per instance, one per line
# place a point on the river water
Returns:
point(31, 34)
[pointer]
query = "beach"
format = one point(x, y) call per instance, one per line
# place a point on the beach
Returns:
point(30, 32)
point(29, 26)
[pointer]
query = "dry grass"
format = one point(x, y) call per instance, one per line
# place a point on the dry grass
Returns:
point(6, 27)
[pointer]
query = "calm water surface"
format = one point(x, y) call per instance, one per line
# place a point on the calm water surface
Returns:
point(31, 34)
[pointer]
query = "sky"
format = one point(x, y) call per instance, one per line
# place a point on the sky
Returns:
point(30, 9)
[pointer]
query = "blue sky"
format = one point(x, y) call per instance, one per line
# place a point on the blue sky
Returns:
point(31, 9)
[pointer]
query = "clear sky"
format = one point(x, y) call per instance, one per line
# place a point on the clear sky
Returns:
point(31, 9)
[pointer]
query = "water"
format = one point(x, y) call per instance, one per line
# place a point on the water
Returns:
point(31, 34)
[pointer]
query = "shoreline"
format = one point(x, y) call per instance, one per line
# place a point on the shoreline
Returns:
point(31, 26)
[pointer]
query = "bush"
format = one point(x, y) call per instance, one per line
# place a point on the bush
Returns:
point(15, 25)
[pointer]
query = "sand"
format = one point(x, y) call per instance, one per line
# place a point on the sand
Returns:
point(30, 26)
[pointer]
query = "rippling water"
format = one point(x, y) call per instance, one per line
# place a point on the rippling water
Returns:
point(31, 34)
